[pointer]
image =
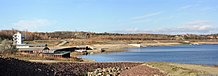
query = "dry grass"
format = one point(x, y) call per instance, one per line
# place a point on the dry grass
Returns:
point(209, 69)
point(29, 57)
point(172, 70)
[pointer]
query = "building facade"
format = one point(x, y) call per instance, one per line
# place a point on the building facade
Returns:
point(18, 38)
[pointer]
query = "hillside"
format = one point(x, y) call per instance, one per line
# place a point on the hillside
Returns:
point(58, 35)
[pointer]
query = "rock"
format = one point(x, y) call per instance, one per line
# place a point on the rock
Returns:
point(99, 74)
point(108, 75)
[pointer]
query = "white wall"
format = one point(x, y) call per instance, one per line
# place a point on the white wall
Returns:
point(18, 38)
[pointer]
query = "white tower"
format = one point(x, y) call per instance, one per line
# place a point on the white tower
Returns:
point(18, 38)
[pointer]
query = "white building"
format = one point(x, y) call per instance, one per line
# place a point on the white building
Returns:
point(18, 38)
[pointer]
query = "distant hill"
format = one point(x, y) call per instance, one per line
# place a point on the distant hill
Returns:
point(7, 34)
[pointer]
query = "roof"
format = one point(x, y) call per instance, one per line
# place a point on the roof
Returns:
point(81, 46)
point(31, 49)
point(61, 53)
point(46, 48)
point(58, 53)
point(32, 44)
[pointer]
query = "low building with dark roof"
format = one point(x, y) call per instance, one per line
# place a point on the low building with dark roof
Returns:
point(30, 45)
point(31, 50)
point(60, 54)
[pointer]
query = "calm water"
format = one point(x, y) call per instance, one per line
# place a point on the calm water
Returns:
point(192, 54)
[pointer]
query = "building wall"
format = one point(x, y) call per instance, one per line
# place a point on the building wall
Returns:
point(18, 38)
point(22, 46)
point(66, 55)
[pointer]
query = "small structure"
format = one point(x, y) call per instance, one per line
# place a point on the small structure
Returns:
point(47, 50)
point(81, 48)
point(31, 50)
point(18, 38)
point(75, 49)
point(136, 45)
point(59, 54)
point(30, 45)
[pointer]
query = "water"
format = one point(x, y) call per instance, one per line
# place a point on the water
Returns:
point(191, 54)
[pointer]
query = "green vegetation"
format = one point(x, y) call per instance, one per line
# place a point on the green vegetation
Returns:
point(7, 47)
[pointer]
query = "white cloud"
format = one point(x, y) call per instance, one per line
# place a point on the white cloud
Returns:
point(146, 16)
point(200, 28)
point(188, 7)
point(199, 25)
point(185, 7)
point(193, 27)
point(132, 29)
point(32, 25)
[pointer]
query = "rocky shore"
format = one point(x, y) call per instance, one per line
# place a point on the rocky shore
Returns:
point(15, 67)
point(81, 69)
point(111, 71)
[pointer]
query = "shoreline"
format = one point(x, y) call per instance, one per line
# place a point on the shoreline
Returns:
point(121, 47)
point(162, 44)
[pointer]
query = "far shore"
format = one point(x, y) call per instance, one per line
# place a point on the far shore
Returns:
point(109, 48)
point(99, 48)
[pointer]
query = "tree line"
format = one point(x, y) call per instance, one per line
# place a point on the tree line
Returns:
point(7, 34)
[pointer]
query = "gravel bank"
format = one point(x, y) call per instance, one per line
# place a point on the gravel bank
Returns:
point(142, 70)
point(82, 69)
point(15, 67)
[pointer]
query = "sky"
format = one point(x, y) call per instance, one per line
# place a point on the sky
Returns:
point(119, 16)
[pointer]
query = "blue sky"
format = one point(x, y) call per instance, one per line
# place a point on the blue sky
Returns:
point(123, 16)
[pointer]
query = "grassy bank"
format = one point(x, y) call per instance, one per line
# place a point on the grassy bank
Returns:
point(175, 69)
point(37, 57)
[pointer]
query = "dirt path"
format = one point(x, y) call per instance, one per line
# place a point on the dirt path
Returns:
point(142, 70)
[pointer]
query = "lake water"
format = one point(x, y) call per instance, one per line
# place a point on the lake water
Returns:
point(191, 54)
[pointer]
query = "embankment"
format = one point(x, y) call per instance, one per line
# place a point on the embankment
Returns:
point(15, 67)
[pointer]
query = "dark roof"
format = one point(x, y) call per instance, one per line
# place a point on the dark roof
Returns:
point(46, 48)
point(58, 53)
point(61, 53)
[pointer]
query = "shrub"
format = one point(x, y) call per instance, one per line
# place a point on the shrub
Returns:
point(7, 47)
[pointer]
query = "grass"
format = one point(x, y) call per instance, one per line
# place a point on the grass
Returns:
point(172, 70)
point(38, 57)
